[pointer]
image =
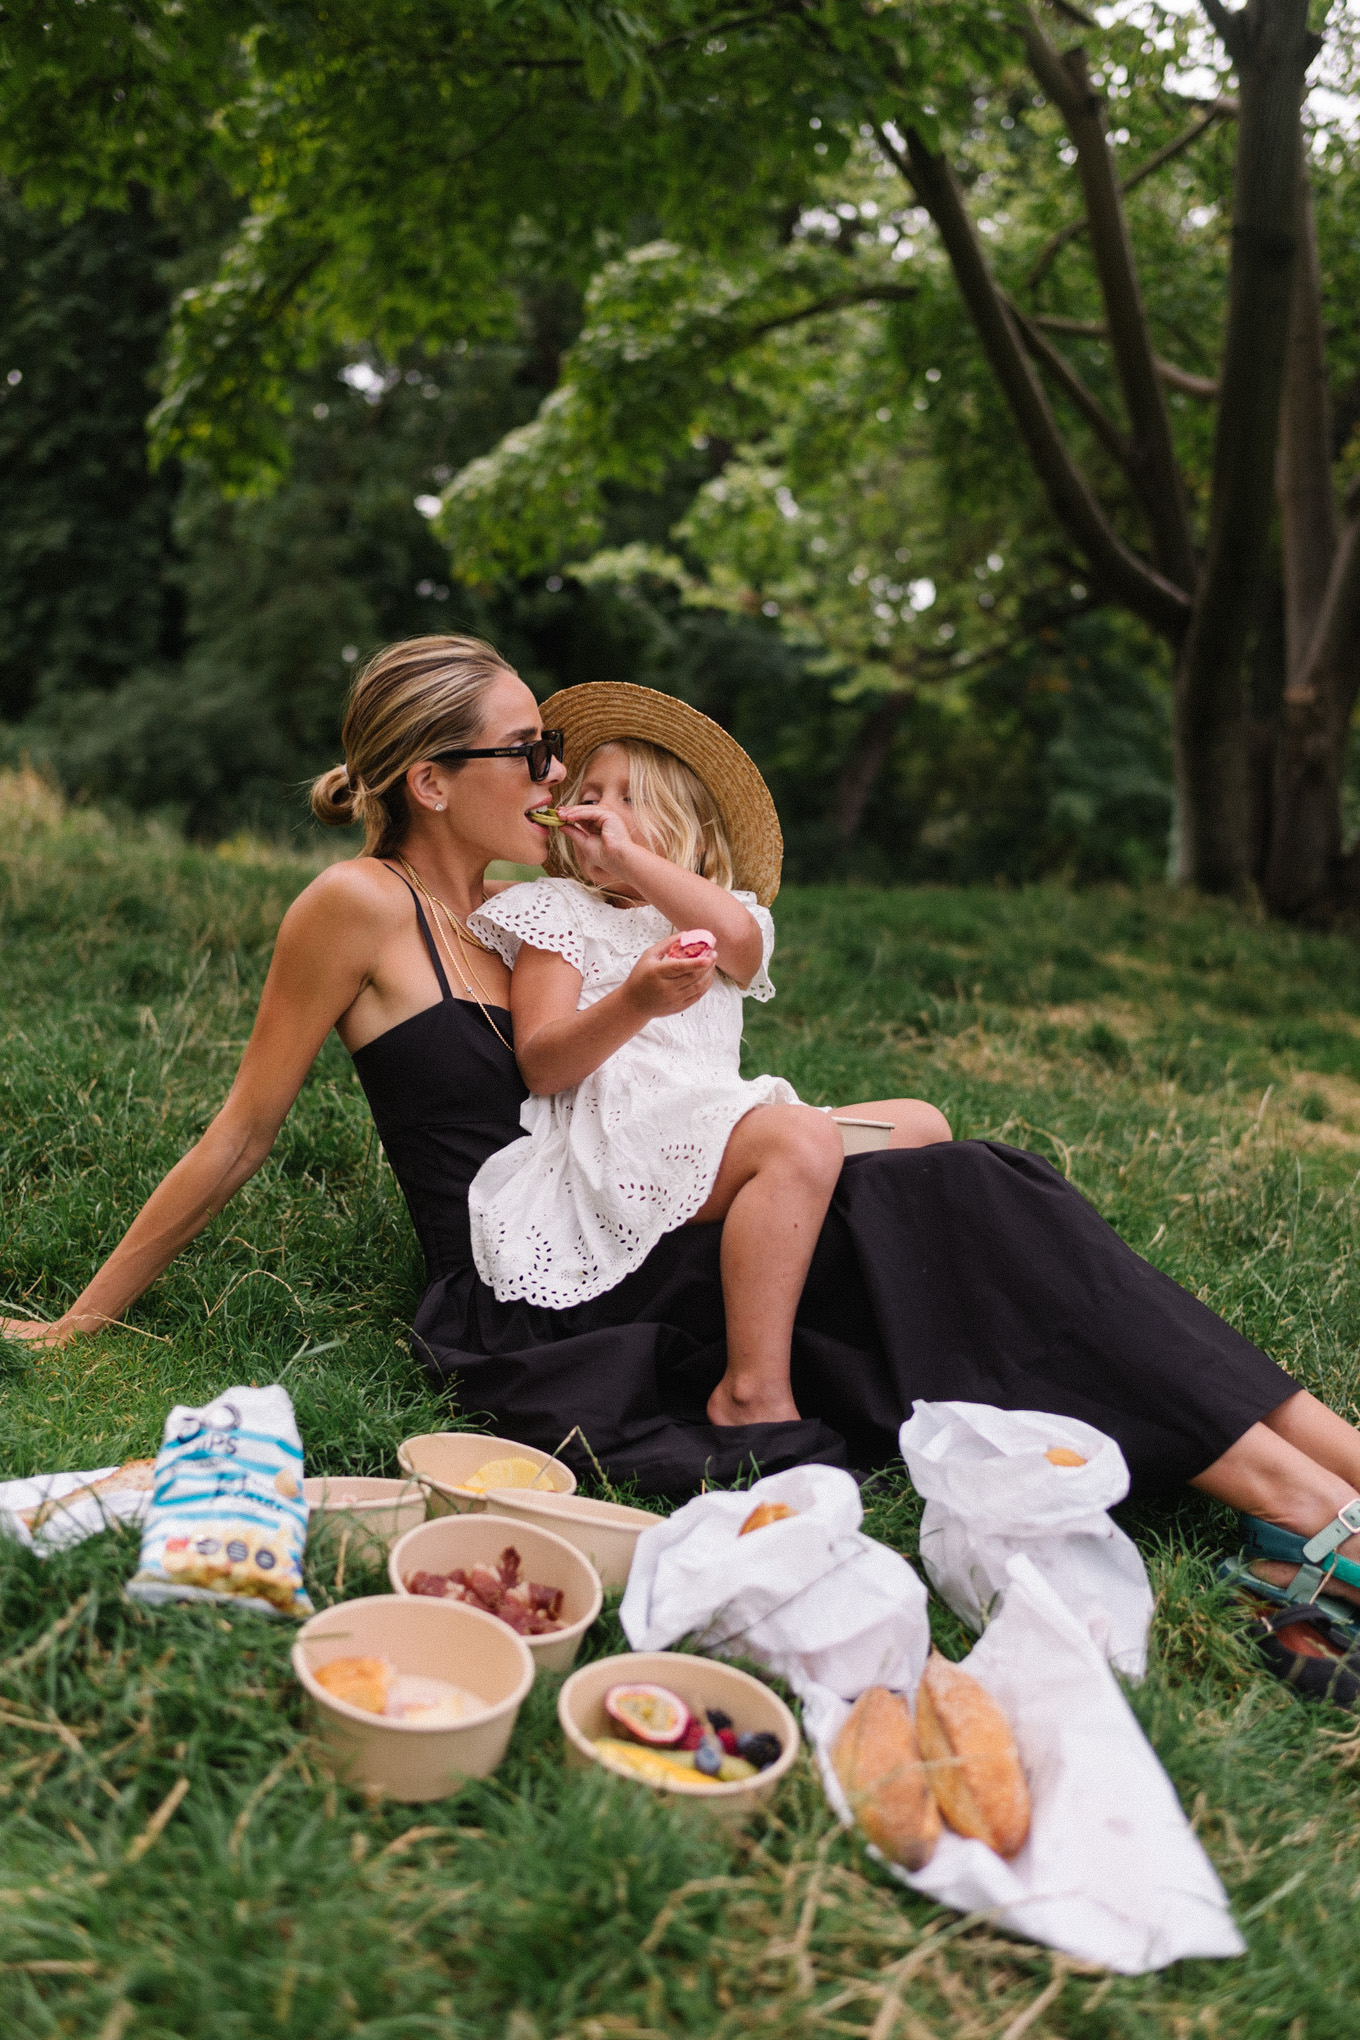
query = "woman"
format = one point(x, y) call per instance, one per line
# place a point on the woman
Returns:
point(964, 1270)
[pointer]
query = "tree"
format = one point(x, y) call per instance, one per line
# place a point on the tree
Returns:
point(713, 127)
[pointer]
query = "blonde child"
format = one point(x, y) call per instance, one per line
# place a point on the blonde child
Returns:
point(639, 1120)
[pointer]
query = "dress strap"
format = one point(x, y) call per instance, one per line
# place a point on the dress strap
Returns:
point(444, 989)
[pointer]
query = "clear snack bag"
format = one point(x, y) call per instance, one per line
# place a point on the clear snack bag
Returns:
point(227, 1520)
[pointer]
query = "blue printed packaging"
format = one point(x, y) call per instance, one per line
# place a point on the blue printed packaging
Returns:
point(227, 1520)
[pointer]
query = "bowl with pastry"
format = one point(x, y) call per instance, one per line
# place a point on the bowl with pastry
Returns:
point(410, 1696)
point(536, 1583)
point(604, 1532)
point(699, 1730)
point(358, 1516)
point(457, 1469)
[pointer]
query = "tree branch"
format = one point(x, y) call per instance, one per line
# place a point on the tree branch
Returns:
point(1085, 400)
point(1221, 109)
point(839, 301)
point(1123, 574)
point(1229, 28)
point(1094, 329)
point(1155, 471)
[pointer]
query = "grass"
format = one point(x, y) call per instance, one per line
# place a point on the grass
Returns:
point(1196, 1072)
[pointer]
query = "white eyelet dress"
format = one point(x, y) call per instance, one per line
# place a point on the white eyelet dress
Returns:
point(633, 1151)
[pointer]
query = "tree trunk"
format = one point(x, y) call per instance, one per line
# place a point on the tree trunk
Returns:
point(1272, 48)
point(860, 773)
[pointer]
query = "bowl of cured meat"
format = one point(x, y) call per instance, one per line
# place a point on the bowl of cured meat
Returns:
point(536, 1583)
point(412, 1697)
point(461, 1470)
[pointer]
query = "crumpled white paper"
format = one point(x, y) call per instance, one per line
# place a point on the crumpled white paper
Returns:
point(1111, 1872)
point(85, 1518)
point(991, 1495)
point(811, 1597)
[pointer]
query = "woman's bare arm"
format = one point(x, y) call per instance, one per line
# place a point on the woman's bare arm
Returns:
point(320, 964)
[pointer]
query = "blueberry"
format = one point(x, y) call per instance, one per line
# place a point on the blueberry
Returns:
point(708, 1757)
point(760, 1748)
point(717, 1719)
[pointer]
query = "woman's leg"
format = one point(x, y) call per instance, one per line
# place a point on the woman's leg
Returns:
point(771, 1193)
point(914, 1122)
point(1265, 1474)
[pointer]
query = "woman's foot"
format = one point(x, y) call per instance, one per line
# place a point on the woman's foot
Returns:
point(1277, 1572)
point(772, 1406)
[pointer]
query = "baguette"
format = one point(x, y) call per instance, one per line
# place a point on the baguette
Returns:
point(878, 1762)
point(135, 1476)
point(974, 1765)
point(765, 1513)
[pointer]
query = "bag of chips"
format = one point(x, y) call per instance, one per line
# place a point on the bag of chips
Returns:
point(227, 1520)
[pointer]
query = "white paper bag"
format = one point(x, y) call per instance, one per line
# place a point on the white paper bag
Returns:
point(22, 1502)
point(1111, 1872)
point(811, 1597)
point(991, 1494)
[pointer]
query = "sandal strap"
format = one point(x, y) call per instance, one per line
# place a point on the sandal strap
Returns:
point(1346, 1523)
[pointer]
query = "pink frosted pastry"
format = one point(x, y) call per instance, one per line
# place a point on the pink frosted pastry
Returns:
point(694, 943)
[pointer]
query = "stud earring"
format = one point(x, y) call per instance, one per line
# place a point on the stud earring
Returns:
point(439, 807)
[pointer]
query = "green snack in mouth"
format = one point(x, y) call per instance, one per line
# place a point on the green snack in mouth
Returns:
point(548, 816)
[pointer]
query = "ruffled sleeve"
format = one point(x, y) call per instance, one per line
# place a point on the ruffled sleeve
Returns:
point(543, 912)
point(760, 987)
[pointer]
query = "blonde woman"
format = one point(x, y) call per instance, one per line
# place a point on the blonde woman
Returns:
point(963, 1269)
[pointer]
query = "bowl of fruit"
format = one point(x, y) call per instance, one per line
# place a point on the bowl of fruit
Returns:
point(459, 1470)
point(536, 1583)
point(708, 1734)
point(411, 1697)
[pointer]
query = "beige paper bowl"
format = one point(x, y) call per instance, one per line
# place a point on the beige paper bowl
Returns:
point(864, 1136)
point(442, 1460)
point(362, 1516)
point(701, 1683)
point(606, 1532)
point(451, 1541)
point(427, 1639)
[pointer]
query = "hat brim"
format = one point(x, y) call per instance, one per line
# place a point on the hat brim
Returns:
point(605, 711)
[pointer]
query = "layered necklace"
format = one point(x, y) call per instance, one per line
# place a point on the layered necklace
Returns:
point(446, 921)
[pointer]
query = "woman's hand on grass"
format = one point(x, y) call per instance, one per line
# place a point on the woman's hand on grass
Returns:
point(37, 1331)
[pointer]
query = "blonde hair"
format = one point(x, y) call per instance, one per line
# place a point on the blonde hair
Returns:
point(412, 700)
point(678, 815)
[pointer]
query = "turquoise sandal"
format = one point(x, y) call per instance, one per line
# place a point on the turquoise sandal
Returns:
point(1317, 1560)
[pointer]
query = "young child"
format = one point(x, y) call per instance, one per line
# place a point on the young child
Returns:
point(639, 1120)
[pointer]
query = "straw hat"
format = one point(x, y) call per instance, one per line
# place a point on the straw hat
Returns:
point(603, 711)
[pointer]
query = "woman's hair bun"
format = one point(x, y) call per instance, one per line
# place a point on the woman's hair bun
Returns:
point(333, 798)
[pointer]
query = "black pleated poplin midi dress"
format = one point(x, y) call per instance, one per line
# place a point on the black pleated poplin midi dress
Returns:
point(968, 1270)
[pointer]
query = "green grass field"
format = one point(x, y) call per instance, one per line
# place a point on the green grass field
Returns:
point(1198, 1075)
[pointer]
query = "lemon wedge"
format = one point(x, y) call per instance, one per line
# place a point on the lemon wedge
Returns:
point(505, 1473)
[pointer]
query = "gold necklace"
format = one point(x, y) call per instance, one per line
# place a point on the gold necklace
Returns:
point(462, 970)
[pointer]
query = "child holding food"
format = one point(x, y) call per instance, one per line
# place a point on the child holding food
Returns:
point(628, 1035)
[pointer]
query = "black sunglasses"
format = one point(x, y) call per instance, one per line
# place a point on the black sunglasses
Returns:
point(538, 755)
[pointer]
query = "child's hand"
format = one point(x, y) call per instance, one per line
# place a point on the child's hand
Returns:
point(603, 843)
point(660, 983)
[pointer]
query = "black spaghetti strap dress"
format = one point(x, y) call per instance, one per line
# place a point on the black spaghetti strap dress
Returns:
point(968, 1270)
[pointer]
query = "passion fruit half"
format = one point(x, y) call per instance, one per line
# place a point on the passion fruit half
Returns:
point(651, 1713)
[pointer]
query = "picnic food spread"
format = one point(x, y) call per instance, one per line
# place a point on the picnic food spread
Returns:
point(667, 1744)
point(957, 1760)
point(766, 1512)
point(525, 1606)
point(503, 1473)
point(375, 1684)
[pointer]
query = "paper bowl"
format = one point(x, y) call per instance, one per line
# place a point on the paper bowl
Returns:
point(606, 1532)
point(361, 1516)
point(442, 1460)
point(864, 1136)
point(470, 1540)
point(428, 1639)
point(701, 1683)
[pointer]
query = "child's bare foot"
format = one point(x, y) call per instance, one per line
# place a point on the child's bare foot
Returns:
point(772, 1406)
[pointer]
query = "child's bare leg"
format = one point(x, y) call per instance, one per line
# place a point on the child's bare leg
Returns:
point(771, 1193)
point(915, 1122)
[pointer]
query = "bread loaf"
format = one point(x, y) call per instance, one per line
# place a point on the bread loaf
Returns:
point(133, 1477)
point(766, 1512)
point(974, 1766)
point(878, 1762)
